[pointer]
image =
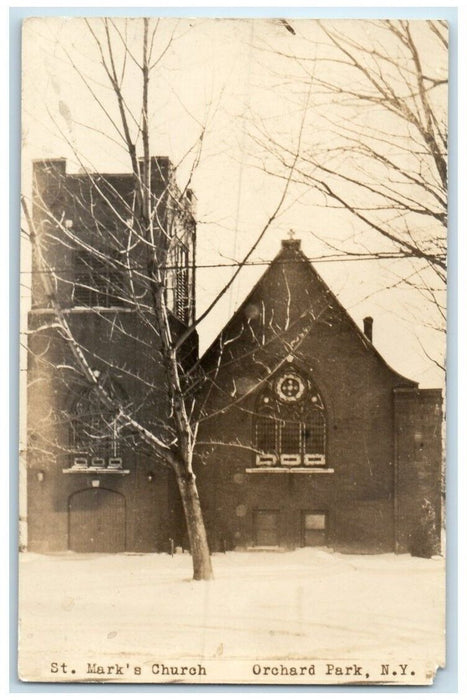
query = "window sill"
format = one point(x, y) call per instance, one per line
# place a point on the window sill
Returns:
point(265, 548)
point(85, 309)
point(82, 308)
point(288, 470)
point(95, 470)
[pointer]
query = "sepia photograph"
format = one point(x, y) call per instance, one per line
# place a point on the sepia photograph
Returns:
point(233, 338)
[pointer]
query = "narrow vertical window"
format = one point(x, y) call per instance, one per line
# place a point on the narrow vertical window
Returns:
point(291, 437)
point(181, 293)
point(314, 432)
point(266, 433)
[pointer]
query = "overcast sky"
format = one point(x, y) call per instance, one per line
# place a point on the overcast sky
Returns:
point(230, 79)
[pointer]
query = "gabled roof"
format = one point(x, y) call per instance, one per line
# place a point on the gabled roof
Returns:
point(291, 253)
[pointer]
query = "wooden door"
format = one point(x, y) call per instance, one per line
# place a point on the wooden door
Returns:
point(97, 521)
point(313, 528)
point(266, 528)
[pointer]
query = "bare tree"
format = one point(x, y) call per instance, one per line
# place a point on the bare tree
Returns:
point(371, 142)
point(375, 144)
point(102, 245)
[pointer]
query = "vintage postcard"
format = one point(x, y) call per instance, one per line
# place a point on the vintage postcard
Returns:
point(233, 330)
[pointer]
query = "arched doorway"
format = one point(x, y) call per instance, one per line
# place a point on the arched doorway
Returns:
point(96, 521)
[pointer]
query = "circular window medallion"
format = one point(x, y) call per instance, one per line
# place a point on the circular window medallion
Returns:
point(290, 387)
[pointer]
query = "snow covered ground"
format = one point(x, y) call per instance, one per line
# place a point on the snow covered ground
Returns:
point(143, 610)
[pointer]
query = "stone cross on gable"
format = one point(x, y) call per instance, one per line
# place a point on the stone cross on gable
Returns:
point(291, 234)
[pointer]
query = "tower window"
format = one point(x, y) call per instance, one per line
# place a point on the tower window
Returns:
point(95, 431)
point(179, 281)
point(181, 286)
point(97, 281)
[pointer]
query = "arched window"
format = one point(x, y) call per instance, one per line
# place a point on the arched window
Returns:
point(290, 423)
point(95, 430)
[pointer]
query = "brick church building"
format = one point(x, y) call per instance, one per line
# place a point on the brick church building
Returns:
point(306, 436)
point(90, 485)
point(344, 451)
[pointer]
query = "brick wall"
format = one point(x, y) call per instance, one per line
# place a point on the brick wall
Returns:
point(292, 319)
point(418, 455)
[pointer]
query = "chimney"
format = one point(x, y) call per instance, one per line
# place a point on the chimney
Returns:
point(368, 327)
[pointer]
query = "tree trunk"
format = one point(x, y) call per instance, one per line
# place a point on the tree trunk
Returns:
point(202, 569)
point(181, 460)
